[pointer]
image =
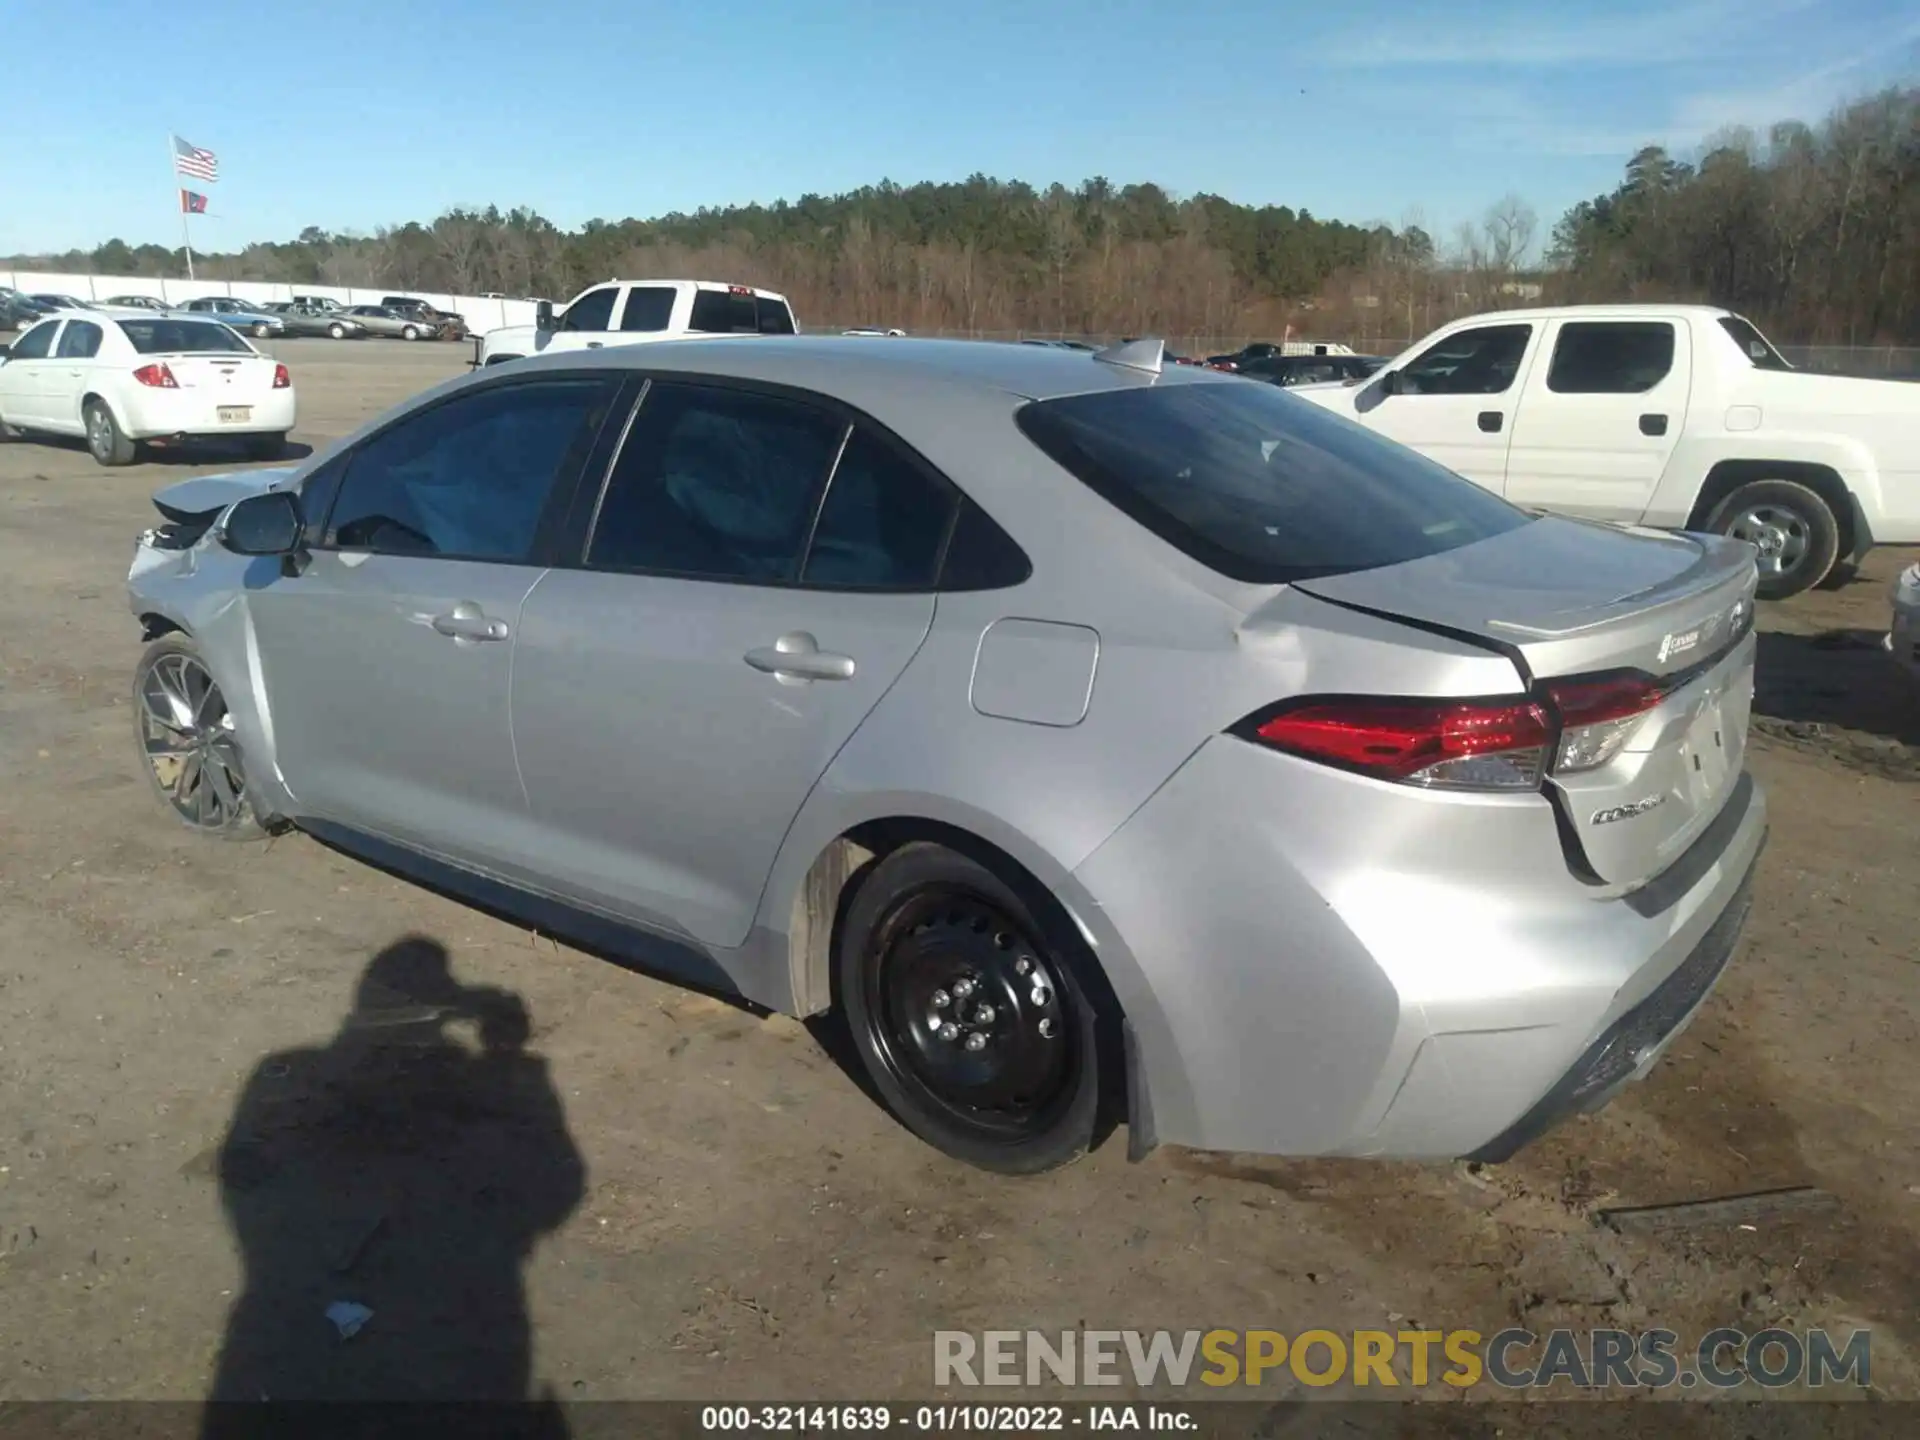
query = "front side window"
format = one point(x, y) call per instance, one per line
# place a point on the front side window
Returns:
point(35, 344)
point(1260, 485)
point(468, 478)
point(1482, 361)
point(883, 523)
point(81, 341)
point(715, 484)
point(1611, 357)
point(649, 308)
point(592, 311)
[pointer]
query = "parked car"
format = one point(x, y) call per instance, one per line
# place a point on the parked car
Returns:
point(636, 312)
point(385, 320)
point(242, 315)
point(121, 380)
point(1291, 370)
point(1269, 350)
point(52, 302)
point(873, 331)
point(1091, 733)
point(447, 325)
point(18, 311)
point(139, 302)
point(1081, 345)
point(1674, 416)
point(1903, 635)
point(304, 318)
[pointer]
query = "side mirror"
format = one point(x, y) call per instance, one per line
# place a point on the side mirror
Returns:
point(5, 350)
point(543, 316)
point(1390, 384)
point(269, 524)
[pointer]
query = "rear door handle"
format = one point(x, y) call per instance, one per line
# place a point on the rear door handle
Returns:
point(797, 656)
point(1491, 421)
point(468, 622)
point(1653, 424)
point(595, 344)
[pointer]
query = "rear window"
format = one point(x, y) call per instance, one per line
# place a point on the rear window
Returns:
point(725, 312)
point(1260, 485)
point(1753, 344)
point(174, 337)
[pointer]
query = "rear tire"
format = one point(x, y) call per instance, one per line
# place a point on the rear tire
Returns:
point(105, 440)
point(1793, 528)
point(185, 737)
point(979, 1034)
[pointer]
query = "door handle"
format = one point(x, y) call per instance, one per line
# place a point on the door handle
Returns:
point(1653, 424)
point(797, 656)
point(1491, 421)
point(595, 344)
point(469, 623)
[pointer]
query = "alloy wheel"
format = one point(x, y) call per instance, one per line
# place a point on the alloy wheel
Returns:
point(966, 1013)
point(187, 733)
point(1781, 535)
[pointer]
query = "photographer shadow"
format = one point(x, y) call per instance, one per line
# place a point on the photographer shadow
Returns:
point(407, 1170)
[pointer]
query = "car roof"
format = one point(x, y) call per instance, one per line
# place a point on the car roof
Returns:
point(1597, 312)
point(848, 366)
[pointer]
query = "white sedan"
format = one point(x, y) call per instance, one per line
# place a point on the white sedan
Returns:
point(120, 379)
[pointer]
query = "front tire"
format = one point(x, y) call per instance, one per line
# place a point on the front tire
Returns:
point(1792, 527)
point(108, 444)
point(186, 738)
point(978, 1033)
point(260, 332)
point(410, 333)
point(337, 331)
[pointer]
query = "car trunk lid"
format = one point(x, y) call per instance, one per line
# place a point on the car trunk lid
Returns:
point(1592, 613)
point(226, 378)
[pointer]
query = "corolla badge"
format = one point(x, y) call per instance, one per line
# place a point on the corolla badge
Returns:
point(1627, 812)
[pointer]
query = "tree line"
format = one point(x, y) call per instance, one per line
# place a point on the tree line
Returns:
point(1814, 231)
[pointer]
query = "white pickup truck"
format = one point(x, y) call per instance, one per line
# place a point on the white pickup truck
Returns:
point(1676, 416)
point(633, 312)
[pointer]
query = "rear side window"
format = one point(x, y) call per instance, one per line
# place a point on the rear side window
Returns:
point(1753, 344)
point(883, 523)
point(183, 337)
point(1611, 357)
point(649, 308)
point(81, 341)
point(1260, 485)
point(714, 483)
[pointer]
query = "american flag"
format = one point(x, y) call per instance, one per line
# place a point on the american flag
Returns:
point(192, 160)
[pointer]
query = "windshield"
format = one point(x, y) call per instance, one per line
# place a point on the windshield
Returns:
point(179, 337)
point(1262, 486)
point(1753, 344)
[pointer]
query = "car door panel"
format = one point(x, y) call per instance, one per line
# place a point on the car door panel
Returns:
point(663, 765)
point(386, 657)
point(1598, 422)
point(1462, 414)
point(24, 380)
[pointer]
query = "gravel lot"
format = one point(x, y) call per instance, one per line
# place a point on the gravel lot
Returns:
point(714, 1208)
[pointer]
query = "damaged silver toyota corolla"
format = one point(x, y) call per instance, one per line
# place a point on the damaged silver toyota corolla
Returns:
point(1103, 739)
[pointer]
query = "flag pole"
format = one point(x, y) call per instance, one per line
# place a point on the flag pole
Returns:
point(186, 240)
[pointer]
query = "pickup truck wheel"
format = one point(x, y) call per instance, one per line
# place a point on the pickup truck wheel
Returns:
point(1790, 525)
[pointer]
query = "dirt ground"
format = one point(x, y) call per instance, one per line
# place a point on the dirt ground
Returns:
point(700, 1203)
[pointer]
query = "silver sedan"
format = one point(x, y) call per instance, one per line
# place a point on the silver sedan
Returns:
point(1101, 739)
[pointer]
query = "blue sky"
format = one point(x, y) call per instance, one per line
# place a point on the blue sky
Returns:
point(352, 114)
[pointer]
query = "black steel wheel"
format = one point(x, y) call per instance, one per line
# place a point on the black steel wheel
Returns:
point(976, 1031)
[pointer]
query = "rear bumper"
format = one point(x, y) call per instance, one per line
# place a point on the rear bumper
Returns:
point(188, 413)
point(1314, 963)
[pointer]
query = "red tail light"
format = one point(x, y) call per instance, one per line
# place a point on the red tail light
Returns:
point(1499, 744)
point(281, 380)
point(156, 375)
point(1597, 716)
